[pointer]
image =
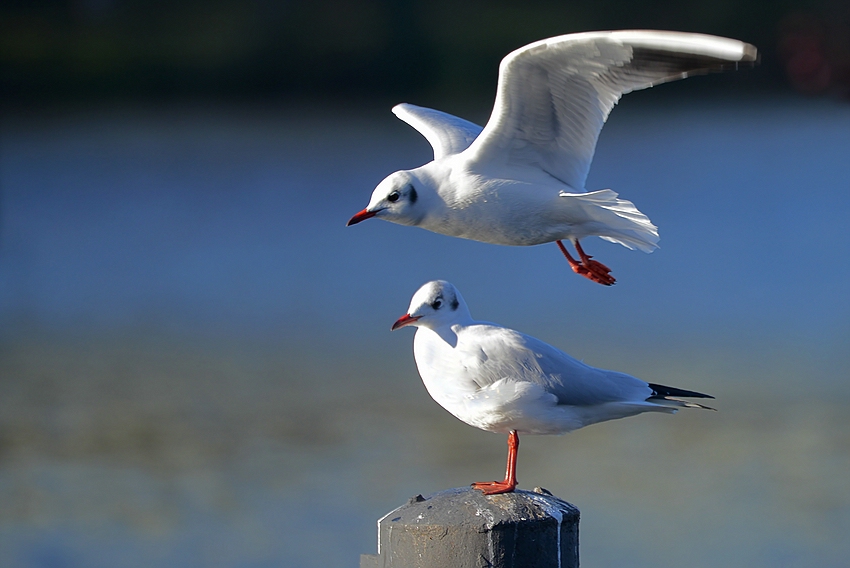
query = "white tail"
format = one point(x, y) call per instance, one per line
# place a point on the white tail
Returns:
point(624, 223)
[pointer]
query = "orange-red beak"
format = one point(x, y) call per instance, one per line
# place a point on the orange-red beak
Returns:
point(403, 321)
point(361, 216)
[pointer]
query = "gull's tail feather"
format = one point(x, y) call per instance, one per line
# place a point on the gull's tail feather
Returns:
point(619, 221)
point(664, 395)
point(661, 391)
point(666, 401)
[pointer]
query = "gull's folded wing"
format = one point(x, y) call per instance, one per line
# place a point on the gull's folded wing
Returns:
point(501, 353)
point(446, 133)
point(554, 95)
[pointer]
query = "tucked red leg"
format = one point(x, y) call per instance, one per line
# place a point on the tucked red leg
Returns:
point(574, 264)
point(509, 484)
point(590, 269)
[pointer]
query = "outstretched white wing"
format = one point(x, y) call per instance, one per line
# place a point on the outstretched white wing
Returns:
point(446, 133)
point(554, 95)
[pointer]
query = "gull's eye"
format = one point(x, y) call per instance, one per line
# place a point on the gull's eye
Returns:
point(436, 304)
point(393, 197)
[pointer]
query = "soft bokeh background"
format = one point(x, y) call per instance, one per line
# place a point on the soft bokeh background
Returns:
point(196, 367)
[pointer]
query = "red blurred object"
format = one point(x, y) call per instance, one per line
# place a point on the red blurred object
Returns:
point(815, 52)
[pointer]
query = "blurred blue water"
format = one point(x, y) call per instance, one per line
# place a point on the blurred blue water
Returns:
point(226, 226)
point(236, 220)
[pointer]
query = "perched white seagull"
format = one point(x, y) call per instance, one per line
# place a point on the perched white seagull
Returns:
point(501, 380)
point(520, 180)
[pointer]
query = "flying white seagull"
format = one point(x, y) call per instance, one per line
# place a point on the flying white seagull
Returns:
point(501, 380)
point(520, 179)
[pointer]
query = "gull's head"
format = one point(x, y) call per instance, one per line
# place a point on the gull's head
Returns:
point(395, 199)
point(436, 304)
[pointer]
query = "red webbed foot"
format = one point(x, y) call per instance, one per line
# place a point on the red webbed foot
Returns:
point(587, 267)
point(494, 487)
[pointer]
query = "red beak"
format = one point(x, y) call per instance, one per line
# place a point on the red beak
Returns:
point(403, 321)
point(361, 216)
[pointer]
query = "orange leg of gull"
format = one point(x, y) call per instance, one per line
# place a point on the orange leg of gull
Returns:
point(586, 267)
point(509, 484)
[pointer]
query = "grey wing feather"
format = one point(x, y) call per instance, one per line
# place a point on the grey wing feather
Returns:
point(447, 134)
point(514, 355)
point(554, 95)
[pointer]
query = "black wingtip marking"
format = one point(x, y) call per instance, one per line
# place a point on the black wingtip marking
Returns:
point(678, 65)
point(661, 391)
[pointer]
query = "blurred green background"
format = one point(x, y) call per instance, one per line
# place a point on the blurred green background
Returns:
point(55, 50)
point(196, 367)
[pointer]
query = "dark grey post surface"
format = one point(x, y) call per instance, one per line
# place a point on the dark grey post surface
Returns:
point(463, 528)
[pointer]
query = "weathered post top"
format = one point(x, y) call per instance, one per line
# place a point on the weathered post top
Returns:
point(463, 528)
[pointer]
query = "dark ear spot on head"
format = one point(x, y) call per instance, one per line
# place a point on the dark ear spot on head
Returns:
point(455, 304)
point(413, 196)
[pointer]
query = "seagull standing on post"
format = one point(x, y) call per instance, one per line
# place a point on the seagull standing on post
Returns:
point(520, 179)
point(504, 381)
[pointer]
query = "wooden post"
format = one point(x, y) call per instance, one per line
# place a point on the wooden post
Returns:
point(463, 528)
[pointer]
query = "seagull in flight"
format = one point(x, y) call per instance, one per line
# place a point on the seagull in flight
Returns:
point(520, 180)
point(504, 381)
